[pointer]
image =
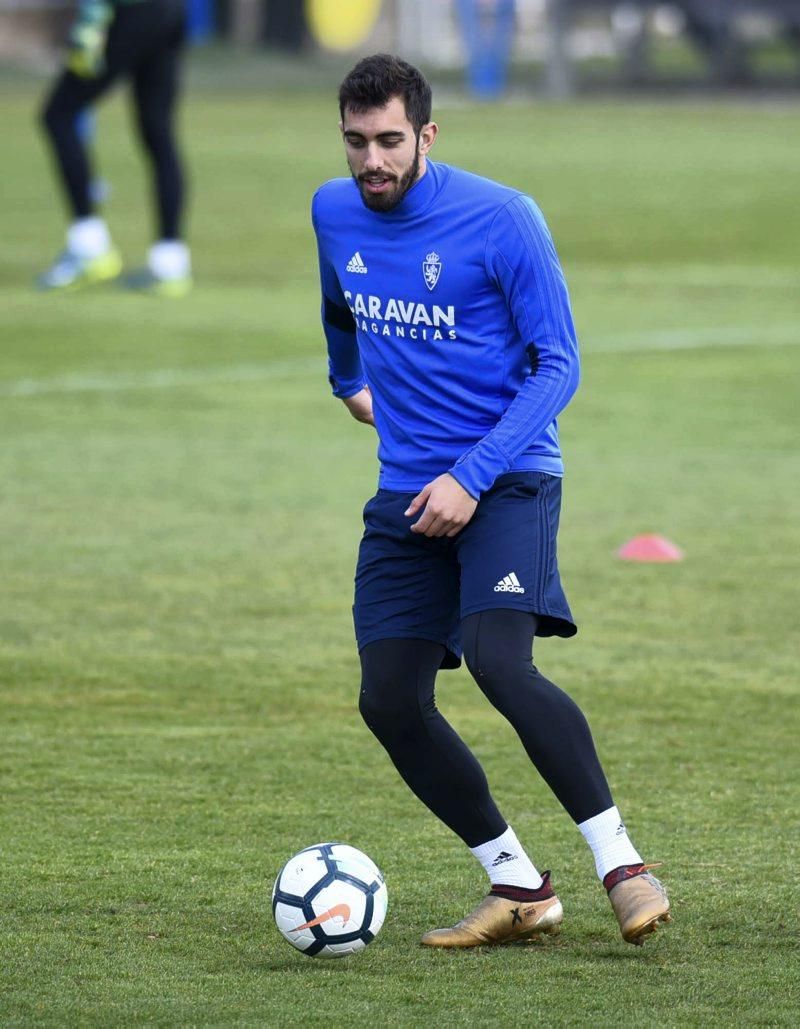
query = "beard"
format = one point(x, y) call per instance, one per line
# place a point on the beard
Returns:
point(389, 200)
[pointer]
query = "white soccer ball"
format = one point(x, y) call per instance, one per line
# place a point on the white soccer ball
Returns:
point(329, 900)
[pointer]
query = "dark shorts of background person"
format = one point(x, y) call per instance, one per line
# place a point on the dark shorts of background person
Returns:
point(409, 586)
point(145, 43)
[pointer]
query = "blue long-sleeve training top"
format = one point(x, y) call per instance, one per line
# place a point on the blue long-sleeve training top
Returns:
point(453, 309)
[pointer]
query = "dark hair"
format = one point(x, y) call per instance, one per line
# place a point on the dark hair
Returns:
point(377, 79)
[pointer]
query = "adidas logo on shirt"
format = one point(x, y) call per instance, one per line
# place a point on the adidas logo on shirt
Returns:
point(509, 584)
point(356, 265)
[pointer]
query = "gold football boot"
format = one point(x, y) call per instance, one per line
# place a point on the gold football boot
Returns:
point(639, 901)
point(497, 920)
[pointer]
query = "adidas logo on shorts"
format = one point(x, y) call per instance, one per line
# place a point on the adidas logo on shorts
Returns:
point(509, 584)
point(356, 265)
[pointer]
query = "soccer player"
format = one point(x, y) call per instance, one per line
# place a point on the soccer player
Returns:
point(449, 330)
point(110, 40)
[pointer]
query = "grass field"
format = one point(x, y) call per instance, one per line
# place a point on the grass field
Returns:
point(179, 510)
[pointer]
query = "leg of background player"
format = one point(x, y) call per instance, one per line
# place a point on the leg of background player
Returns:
point(89, 254)
point(155, 90)
point(60, 117)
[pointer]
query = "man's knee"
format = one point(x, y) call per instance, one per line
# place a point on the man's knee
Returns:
point(498, 651)
point(52, 118)
point(156, 132)
point(493, 668)
point(397, 684)
point(498, 643)
point(383, 700)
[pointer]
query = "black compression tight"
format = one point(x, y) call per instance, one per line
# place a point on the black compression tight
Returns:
point(398, 704)
point(145, 44)
point(553, 729)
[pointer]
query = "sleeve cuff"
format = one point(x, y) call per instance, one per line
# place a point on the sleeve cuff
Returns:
point(345, 390)
point(477, 470)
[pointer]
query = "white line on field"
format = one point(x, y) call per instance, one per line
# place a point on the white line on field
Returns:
point(695, 339)
point(161, 378)
point(176, 378)
point(701, 275)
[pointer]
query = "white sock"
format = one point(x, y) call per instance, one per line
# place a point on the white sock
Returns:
point(88, 238)
point(169, 259)
point(506, 862)
point(607, 836)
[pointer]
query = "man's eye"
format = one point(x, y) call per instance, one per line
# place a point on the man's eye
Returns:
point(390, 144)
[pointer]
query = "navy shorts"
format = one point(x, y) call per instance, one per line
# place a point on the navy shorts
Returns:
point(412, 587)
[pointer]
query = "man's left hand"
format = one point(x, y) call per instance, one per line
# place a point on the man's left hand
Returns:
point(448, 507)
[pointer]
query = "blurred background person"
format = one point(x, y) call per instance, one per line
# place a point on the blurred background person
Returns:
point(142, 40)
point(99, 188)
point(488, 29)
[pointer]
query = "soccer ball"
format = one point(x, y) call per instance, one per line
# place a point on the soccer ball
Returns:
point(329, 900)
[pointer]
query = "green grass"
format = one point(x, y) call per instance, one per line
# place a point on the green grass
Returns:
point(179, 509)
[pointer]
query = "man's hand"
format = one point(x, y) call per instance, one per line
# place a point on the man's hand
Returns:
point(86, 51)
point(86, 46)
point(448, 507)
point(360, 406)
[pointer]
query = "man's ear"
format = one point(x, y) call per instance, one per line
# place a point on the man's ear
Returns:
point(427, 137)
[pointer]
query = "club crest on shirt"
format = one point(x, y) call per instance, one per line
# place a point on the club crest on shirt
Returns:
point(431, 269)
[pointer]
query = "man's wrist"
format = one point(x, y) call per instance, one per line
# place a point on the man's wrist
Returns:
point(345, 390)
point(468, 491)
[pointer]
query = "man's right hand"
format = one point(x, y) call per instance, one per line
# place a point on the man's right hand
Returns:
point(360, 406)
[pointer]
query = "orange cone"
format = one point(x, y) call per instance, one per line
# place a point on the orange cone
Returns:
point(650, 548)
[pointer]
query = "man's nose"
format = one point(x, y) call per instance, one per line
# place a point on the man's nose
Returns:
point(374, 158)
